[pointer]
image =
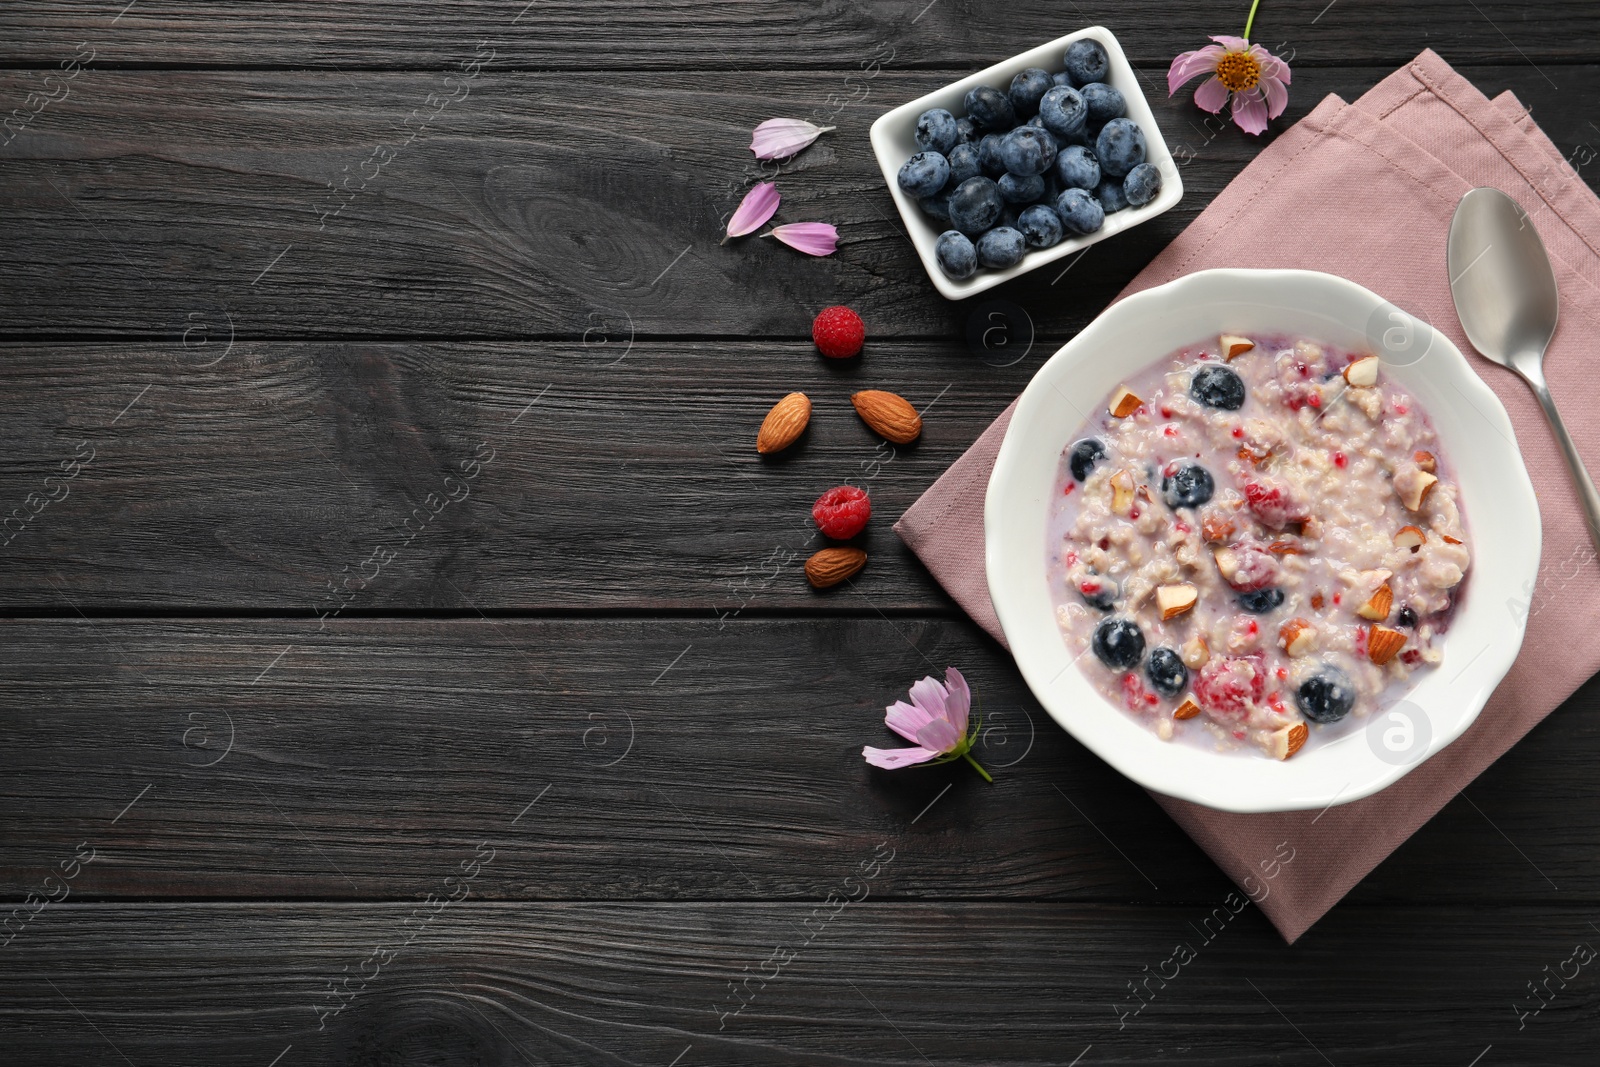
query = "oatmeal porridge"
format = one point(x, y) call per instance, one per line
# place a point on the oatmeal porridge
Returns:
point(1255, 539)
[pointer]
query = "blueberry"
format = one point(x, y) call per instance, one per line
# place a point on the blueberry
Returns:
point(1261, 601)
point(936, 206)
point(1166, 672)
point(1407, 618)
point(963, 160)
point(1104, 102)
point(936, 131)
point(1027, 150)
point(1326, 696)
point(1027, 88)
point(1021, 190)
point(966, 131)
point(1187, 487)
point(1008, 217)
point(956, 256)
point(1063, 111)
point(1077, 168)
point(975, 206)
point(1080, 213)
point(1086, 61)
point(1040, 226)
point(1120, 147)
point(1062, 78)
point(924, 174)
point(990, 108)
point(989, 155)
point(1217, 386)
point(1109, 193)
point(1097, 593)
point(1142, 184)
point(1118, 642)
point(1085, 455)
point(1001, 247)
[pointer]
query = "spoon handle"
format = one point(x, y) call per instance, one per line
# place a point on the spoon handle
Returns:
point(1586, 490)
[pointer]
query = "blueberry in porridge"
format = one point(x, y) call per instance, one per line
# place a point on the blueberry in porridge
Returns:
point(1257, 540)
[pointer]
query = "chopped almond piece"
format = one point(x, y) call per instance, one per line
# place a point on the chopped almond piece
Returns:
point(1447, 539)
point(1383, 643)
point(1286, 740)
point(1412, 486)
point(1410, 537)
point(1378, 604)
point(1363, 371)
point(1316, 601)
point(1195, 652)
point(1123, 403)
point(1187, 710)
point(1233, 346)
point(1285, 548)
point(1297, 738)
point(1297, 636)
point(1122, 492)
point(1174, 600)
point(1425, 462)
point(1215, 527)
point(1227, 562)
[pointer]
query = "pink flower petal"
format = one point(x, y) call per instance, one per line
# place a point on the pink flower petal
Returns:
point(1277, 96)
point(895, 758)
point(929, 695)
point(782, 138)
point(758, 205)
point(1233, 44)
point(939, 735)
point(1211, 96)
point(905, 719)
point(1192, 65)
point(812, 238)
point(959, 700)
point(1250, 111)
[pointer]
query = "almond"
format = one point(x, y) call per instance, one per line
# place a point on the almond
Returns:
point(891, 417)
point(830, 566)
point(1447, 539)
point(1233, 345)
point(1297, 636)
point(784, 424)
point(1287, 740)
point(1122, 492)
point(1123, 403)
point(1285, 548)
point(1412, 487)
point(1316, 601)
point(1195, 652)
point(1410, 537)
point(1227, 562)
point(1383, 643)
point(1174, 600)
point(1215, 527)
point(1297, 738)
point(1378, 604)
point(1363, 371)
point(1425, 461)
point(1187, 710)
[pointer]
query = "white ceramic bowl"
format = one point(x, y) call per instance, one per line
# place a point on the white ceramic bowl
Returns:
point(893, 144)
point(1501, 513)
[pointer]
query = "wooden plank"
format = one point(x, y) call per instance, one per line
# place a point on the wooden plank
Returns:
point(607, 475)
point(298, 205)
point(765, 34)
point(630, 759)
point(868, 983)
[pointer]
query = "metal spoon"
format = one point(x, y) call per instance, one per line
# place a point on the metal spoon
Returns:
point(1505, 293)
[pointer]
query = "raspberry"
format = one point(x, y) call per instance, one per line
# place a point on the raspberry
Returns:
point(1272, 505)
point(842, 512)
point(1229, 685)
point(838, 332)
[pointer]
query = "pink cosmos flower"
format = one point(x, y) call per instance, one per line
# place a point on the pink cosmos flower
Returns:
point(935, 722)
point(1256, 79)
point(812, 238)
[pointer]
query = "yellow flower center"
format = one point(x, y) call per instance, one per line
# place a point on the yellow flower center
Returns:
point(1238, 71)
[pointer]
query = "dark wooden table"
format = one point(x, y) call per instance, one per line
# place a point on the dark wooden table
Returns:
point(406, 655)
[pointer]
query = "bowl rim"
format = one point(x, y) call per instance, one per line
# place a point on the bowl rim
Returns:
point(1515, 515)
point(920, 229)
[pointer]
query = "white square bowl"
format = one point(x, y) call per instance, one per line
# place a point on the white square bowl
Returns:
point(893, 144)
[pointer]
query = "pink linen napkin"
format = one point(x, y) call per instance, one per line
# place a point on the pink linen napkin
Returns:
point(1367, 190)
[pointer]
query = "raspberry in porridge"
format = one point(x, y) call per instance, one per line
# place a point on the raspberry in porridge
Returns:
point(1256, 539)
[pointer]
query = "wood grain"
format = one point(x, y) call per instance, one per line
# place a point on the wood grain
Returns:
point(535, 206)
point(931, 983)
point(631, 759)
point(766, 34)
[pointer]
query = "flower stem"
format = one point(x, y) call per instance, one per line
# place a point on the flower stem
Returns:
point(1251, 21)
point(977, 767)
